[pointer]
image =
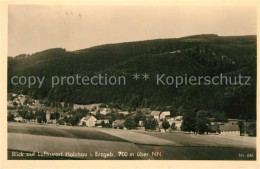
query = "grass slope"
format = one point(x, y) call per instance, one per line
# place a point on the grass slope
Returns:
point(174, 146)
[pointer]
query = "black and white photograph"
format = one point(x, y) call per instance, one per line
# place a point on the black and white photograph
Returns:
point(131, 82)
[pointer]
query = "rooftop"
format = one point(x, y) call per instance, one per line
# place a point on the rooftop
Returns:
point(229, 127)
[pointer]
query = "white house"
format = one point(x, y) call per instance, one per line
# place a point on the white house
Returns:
point(141, 123)
point(156, 114)
point(164, 115)
point(18, 118)
point(89, 121)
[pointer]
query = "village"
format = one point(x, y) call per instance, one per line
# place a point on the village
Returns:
point(23, 109)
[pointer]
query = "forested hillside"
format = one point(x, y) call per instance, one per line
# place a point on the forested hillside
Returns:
point(200, 55)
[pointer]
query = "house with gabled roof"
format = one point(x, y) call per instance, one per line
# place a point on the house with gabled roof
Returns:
point(119, 124)
point(156, 114)
point(165, 114)
point(229, 130)
point(88, 121)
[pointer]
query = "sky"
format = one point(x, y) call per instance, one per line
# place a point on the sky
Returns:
point(33, 28)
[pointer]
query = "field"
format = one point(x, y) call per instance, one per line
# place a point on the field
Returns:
point(66, 142)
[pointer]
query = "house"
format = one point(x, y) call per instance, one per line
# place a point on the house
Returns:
point(105, 111)
point(20, 99)
point(36, 104)
point(214, 128)
point(178, 123)
point(124, 112)
point(10, 103)
point(161, 129)
point(89, 106)
point(229, 130)
point(144, 110)
point(156, 114)
point(14, 112)
point(99, 122)
point(178, 118)
point(94, 112)
point(89, 121)
point(62, 104)
point(140, 123)
point(50, 118)
point(233, 121)
point(14, 95)
point(164, 115)
point(119, 124)
point(77, 106)
point(18, 118)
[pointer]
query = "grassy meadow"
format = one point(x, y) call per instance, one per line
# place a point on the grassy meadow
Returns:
point(48, 139)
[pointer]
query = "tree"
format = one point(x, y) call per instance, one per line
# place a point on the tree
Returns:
point(234, 100)
point(65, 105)
point(22, 113)
point(220, 116)
point(134, 102)
point(10, 117)
point(72, 120)
point(173, 126)
point(153, 124)
point(189, 121)
point(102, 123)
point(173, 111)
point(56, 115)
point(129, 123)
point(10, 96)
point(150, 123)
point(110, 119)
point(165, 124)
point(41, 116)
point(61, 122)
point(32, 115)
point(29, 115)
point(251, 129)
point(202, 122)
point(98, 115)
point(83, 124)
point(121, 116)
point(241, 127)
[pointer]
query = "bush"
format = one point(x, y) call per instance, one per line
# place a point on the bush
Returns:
point(61, 122)
point(165, 125)
point(202, 122)
point(173, 126)
point(10, 117)
point(251, 129)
